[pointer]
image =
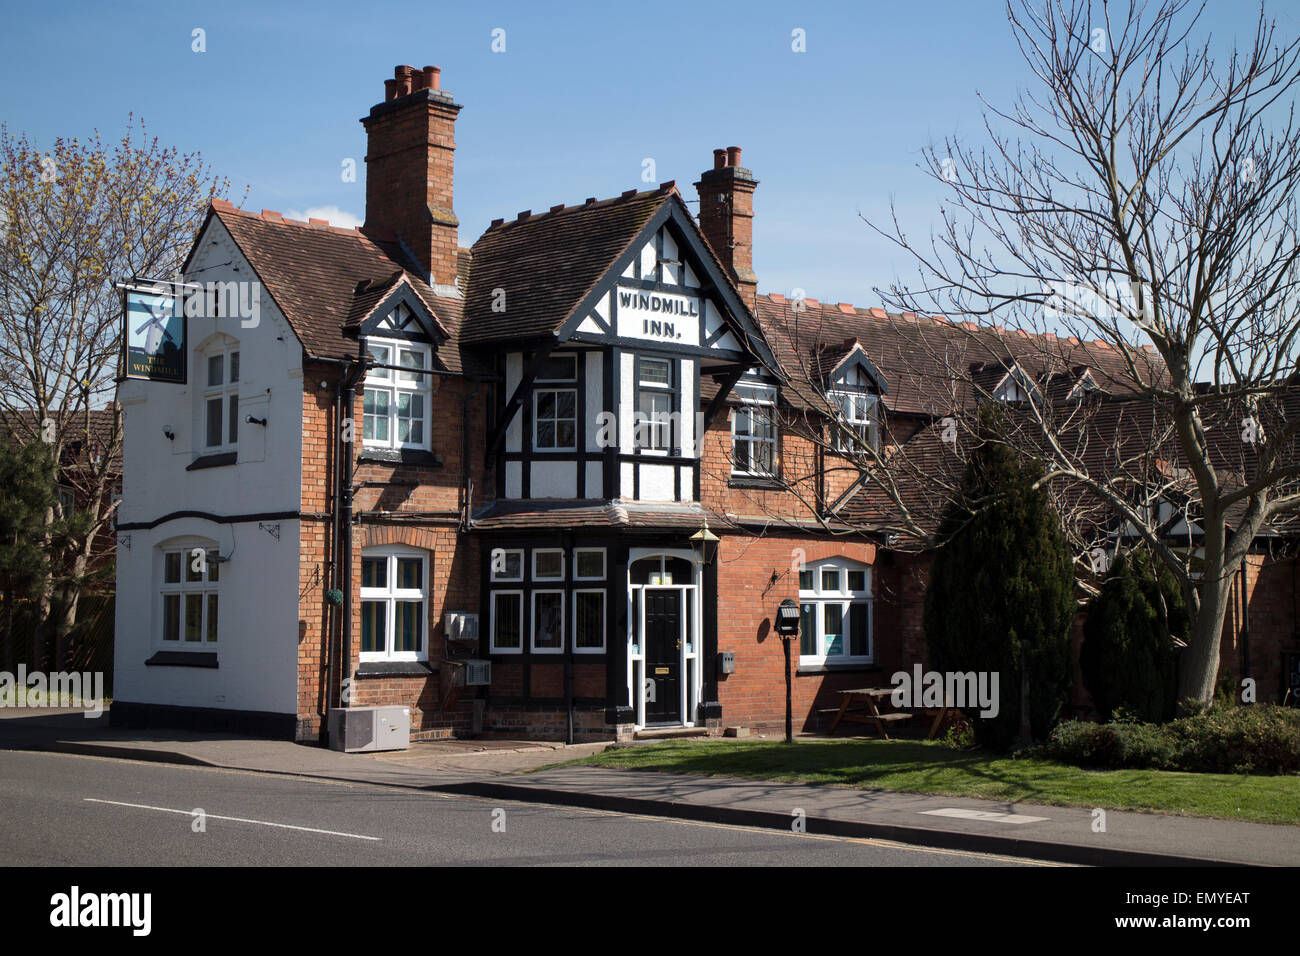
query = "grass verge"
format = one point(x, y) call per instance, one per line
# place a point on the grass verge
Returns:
point(923, 767)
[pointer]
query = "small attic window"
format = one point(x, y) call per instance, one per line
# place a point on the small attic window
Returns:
point(1083, 386)
point(1016, 387)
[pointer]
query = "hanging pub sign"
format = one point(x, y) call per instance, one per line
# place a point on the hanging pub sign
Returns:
point(153, 330)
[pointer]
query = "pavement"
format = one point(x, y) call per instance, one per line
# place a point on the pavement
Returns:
point(508, 770)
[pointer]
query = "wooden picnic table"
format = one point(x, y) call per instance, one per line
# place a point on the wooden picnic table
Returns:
point(858, 706)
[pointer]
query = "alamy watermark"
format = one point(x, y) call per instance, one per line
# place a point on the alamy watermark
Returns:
point(84, 690)
point(965, 690)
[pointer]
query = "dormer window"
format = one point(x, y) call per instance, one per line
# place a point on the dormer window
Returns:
point(221, 400)
point(1016, 387)
point(396, 402)
point(858, 428)
point(1083, 387)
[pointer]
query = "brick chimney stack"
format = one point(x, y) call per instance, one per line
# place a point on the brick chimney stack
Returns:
point(727, 218)
point(410, 147)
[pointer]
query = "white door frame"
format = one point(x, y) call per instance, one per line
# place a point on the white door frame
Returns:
point(690, 689)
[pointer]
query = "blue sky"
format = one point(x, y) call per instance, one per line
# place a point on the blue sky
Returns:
point(582, 95)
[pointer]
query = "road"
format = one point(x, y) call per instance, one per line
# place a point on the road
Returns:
point(63, 810)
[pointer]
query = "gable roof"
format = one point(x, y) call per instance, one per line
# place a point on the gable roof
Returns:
point(546, 264)
point(551, 267)
point(315, 273)
point(925, 360)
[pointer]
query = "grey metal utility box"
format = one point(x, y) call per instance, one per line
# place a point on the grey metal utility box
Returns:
point(361, 729)
point(726, 662)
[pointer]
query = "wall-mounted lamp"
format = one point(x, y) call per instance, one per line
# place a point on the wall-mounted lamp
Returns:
point(272, 529)
point(255, 421)
point(704, 543)
point(167, 430)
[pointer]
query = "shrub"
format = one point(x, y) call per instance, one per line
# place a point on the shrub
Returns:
point(1127, 657)
point(1001, 592)
point(1263, 739)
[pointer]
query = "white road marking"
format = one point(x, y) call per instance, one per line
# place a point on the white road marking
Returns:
point(213, 816)
point(987, 815)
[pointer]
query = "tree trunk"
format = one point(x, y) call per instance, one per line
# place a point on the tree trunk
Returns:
point(1199, 666)
point(11, 644)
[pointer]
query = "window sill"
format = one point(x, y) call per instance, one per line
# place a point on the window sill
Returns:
point(838, 669)
point(183, 659)
point(754, 481)
point(395, 669)
point(212, 461)
point(400, 456)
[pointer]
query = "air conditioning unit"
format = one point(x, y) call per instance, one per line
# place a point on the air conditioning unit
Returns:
point(460, 626)
point(361, 729)
point(478, 673)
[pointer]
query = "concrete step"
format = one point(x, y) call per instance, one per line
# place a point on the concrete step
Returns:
point(667, 733)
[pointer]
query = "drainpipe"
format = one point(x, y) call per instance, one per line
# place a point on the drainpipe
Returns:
point(1245, 620)
point(343, 490)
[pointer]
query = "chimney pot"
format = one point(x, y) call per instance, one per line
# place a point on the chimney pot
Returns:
point(432, 77)
point(390, 90)
point(403, 76)
point(719, 158)
point(733, 155)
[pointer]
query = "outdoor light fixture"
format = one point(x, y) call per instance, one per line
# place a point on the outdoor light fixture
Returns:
point(787, 626)
point(704, 543)
point(255, 421)
point(167, 430)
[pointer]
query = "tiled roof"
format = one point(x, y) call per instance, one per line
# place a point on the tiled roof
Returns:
point(1120, 442)
point(97, 426)
point(923, 359)
point(559, 514)
point(547, 263)
point(313, 271)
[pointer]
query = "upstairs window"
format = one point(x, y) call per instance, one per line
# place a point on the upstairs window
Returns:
point(555, 410)
point(858, 428)
point(396, 401)
point(654, 404)
point(753, 433)
point(221, 400)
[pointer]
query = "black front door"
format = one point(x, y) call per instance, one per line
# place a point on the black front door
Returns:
point(663, 641)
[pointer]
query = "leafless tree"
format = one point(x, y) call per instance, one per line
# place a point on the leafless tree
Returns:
point(1138, 202)
point(74, 219)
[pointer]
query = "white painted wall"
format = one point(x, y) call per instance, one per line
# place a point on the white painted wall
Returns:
point(258, 630)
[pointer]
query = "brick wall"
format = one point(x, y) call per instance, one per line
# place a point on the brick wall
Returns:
point(421, 507)
point(757, 575)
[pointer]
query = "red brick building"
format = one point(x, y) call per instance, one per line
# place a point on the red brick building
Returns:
point(481, 482)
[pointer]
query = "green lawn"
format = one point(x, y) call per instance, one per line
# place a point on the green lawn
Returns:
point(922, 767)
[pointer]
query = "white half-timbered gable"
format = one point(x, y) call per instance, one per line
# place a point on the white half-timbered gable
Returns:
point(610, 409)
